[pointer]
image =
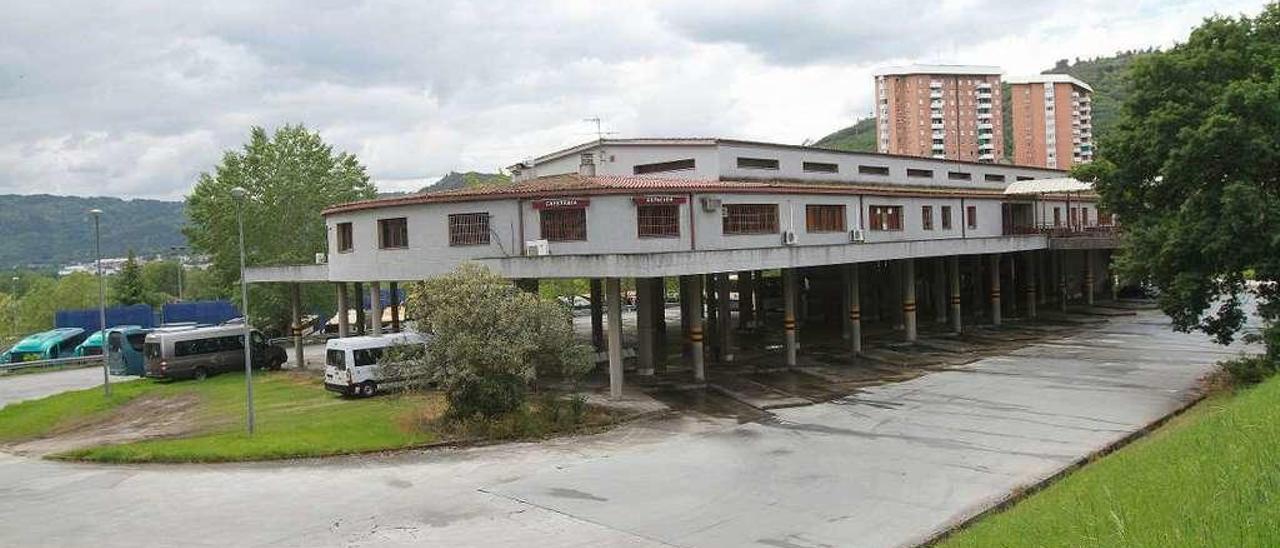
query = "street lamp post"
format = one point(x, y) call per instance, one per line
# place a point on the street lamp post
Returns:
point(13, 305)
point(239, 194)
point(102, 298)
point(181, 263)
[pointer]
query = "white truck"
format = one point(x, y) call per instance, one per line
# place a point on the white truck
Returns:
point(352, 364)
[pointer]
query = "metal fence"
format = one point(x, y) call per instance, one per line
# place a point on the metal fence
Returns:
point(75, 361)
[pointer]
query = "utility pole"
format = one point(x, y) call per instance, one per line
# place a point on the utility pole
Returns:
point(102, 298)
point(239, 194)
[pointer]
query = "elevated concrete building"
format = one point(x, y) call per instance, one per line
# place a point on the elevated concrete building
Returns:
point(1052, 120)
point(829, 233)
point(940, 111)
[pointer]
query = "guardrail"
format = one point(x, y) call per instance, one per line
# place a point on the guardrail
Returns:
point(75, 361)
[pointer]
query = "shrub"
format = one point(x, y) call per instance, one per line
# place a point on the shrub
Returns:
point(1247, 370)
point(488, 396)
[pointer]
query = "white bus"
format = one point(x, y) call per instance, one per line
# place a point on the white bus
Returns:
point(351, 364)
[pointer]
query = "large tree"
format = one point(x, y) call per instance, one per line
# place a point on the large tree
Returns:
point(127, 285)
point(290, 177)
point(1193, 170)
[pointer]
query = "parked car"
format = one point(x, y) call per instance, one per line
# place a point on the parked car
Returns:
point(46, 345)
point(196, 353)
point(352, 364)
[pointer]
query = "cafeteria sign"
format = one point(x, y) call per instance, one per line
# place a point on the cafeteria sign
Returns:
point(561, 203)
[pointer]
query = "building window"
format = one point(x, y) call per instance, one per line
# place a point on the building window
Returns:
point(757, 163)
point(1025, 178)
point(820, 167)
point(1057, 216)
point(824, 218)
point(345, 243)
point(993, 178)
point(886, 217)
point(920, 173)
point(959, 176)
point(1073, 217)
point(1084, 216)
point(971, 216)
point(564, 225)
point(750, 219)
point(676, 165)
point(658, 221)
point(469, 229)
point(946, 217)
point(393, 233)
point(873, 170)
point(926, 217)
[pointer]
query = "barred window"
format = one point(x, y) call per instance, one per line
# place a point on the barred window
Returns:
point(757, 163)
point(675, 165)
point(658, 221)
point(750, 219)
point(946, 217)
point(564, 225)
point(344, 238)
point(824, 218)
point(926, 217)
point(469, 229)
point(873, 170)
point(393, 233)
point(959, 175)
point(820, 167)
point(886, 217)
point(922, 173)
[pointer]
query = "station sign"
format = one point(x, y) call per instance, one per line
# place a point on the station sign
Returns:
point(561, 203)
point(659, 200)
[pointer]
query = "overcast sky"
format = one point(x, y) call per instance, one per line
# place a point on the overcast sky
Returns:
point(135, 99)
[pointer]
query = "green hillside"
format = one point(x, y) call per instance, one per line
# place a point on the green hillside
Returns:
point(44, 230)
point(1105, 74)
point(456, 180)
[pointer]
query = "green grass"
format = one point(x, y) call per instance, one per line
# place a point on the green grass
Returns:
point(1210, 477)
point(296, 417)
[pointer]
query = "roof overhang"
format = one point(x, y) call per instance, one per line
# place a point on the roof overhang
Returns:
point(1061, 185)
point(1048, 79)
point(971, 70)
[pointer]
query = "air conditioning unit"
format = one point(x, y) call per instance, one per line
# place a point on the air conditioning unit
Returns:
point(322, 258)
point(711, 205)
point(536, 248)
point(857, 236)
point(788, 237)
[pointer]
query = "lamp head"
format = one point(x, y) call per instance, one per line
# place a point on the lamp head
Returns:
point(95, 212)
point(238, 193)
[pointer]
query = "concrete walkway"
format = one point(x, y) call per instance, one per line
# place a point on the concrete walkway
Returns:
point(887, 466)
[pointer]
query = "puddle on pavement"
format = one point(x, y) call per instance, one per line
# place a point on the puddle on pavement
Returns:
point(797, 383)
point(707, 403)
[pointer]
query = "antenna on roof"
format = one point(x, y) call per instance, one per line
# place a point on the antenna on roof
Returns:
point(600, 133)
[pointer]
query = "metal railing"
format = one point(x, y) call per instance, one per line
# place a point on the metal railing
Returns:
point(74, 361)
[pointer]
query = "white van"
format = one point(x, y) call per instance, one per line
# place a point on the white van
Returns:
point(351, 364)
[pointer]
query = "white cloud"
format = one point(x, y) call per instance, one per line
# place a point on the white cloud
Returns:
point(135, 98)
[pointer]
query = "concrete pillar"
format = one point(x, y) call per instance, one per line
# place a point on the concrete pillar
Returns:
point(757, 285)
point(361, 324)
point(375, 309)
point(394, 289)
point(979, 281)
point(597, 315)
point(723, 313)
point(895, 294)
point(711, 312)
point(344, 308)
point(1029, 279)
point(295, 308)
point(659, 295)
point(1012, 295)
point(1041, 259)
point(855, 311)
point(909, 298)
point(746, 299)
point(995, 288)
point(1112, 277)
point(686, 318)
point(613, 298)
point(1088, 277)
point(939, 287)
point(846, 323)
point(1059, 274)
point(644, 326)
point(695, 327)
point(789, 314)
point(956, 323)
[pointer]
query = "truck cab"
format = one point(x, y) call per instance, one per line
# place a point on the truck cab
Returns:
point(352, 364)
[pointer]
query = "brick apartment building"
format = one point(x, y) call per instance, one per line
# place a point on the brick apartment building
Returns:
point(947, 112)
point(1052, 121)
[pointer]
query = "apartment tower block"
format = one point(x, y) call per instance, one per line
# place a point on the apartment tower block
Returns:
point(947, 112)
point(1052, 121)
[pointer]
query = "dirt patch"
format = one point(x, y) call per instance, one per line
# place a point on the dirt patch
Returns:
point(147, 417)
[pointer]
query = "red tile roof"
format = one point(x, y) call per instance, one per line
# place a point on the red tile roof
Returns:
point(578, 185)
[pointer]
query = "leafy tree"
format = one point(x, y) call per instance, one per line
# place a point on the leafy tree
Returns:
point(490, 341)
point(127, 285)
point(44, 296)
point(1193, 170)
point(290, 176)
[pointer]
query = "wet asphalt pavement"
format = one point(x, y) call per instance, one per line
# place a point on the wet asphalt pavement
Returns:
point(887, 466)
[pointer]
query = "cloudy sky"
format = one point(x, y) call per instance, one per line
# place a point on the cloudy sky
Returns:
point(135, 99)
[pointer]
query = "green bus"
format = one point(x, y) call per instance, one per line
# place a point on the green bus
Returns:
point(48, 345)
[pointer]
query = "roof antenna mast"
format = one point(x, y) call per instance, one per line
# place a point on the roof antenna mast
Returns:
point(600, 132)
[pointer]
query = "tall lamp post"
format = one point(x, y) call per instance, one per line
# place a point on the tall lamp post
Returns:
point(13, 305)
point(102, 298)
point(239, 194)
point(181, 249)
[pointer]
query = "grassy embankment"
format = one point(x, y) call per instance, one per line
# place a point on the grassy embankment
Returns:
point(1209, 477)
point(296, 417)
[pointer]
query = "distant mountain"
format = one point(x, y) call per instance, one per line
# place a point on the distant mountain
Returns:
point(1106, 75)
point(44, 230)
point(456, 180)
